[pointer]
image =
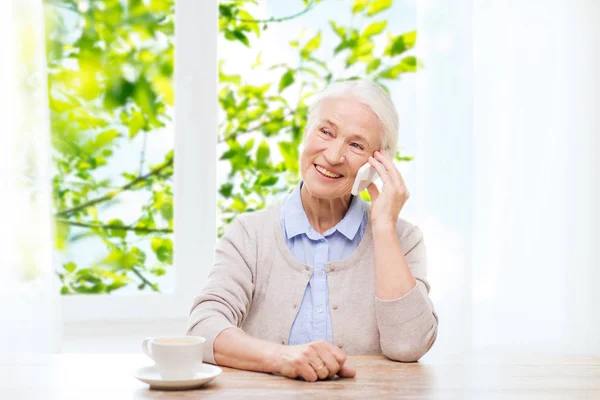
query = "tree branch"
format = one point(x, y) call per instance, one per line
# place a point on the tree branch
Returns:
point(254, 128)
point(115, 227)
point(110, 195)
point(143, 154)
point(143, 279)
point(309, 7)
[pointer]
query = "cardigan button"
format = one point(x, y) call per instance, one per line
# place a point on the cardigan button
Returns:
point(340, 345)
point(335, 307)
point(294, 307)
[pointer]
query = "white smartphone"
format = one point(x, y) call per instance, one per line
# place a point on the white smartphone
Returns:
point(365, 176)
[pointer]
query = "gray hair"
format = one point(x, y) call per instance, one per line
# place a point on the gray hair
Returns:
point(370, 94)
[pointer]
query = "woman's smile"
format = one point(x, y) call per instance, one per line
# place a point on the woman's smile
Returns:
point(327, 174)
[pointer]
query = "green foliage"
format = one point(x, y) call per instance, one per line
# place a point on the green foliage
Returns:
point(110, 68)
point(275, 116)
point(110, 81)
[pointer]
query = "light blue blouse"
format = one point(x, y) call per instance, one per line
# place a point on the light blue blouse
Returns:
point(313, 320)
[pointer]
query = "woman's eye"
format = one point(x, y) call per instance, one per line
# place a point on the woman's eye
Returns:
point(325, 132)
point(356, 145)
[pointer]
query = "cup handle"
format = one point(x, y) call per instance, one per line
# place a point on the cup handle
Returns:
point(146, 347)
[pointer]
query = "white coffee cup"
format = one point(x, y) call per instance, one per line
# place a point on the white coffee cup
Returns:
point(176, 357)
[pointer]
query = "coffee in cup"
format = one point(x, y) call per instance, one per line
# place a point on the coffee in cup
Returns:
point(176, 357)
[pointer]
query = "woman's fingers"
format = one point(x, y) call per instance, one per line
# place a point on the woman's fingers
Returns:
point(389, 165)
point(373, 192)
point(382, 171)
point(307, 372)
point(319, 367)
point(332, 365)
point(347, 372)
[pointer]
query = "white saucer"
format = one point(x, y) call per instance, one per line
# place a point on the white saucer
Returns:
point(151, 376)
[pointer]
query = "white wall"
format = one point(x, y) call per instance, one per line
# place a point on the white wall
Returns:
point(535, 126)
point(508, 176)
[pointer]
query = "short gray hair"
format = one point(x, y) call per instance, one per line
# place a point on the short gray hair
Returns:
point(370, 94)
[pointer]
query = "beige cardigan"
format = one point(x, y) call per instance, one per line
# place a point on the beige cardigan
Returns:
point(256, 284)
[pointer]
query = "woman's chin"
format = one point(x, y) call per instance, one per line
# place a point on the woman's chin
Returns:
point(326, 190)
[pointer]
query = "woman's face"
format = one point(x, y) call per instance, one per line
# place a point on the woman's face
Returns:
point(346, 133)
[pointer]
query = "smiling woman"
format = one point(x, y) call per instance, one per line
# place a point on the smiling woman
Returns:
point(347, 123)
point(322, 270)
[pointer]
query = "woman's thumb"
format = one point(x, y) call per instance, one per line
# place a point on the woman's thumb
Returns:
point(373, 191)
point(347, 372)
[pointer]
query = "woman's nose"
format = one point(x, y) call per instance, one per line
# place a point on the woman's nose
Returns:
point(334, 154)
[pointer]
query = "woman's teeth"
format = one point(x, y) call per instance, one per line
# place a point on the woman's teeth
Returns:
point(326, 173)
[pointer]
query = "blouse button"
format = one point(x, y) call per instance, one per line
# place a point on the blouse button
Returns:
point(340, 345)
point(335, 307)
point(294, 306)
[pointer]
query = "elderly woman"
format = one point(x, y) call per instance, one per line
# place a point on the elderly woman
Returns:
point(321, 274)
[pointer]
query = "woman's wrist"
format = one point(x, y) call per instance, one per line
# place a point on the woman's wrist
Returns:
point(383, 228)
point(272, 359)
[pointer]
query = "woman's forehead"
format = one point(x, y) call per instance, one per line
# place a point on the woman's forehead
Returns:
point(349, 116)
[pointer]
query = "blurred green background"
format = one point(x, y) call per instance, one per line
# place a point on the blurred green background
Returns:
point(110, 86)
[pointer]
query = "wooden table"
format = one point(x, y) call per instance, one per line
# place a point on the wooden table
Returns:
point(110, 376)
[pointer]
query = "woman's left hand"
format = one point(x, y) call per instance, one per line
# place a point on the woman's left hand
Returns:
point(387, 204)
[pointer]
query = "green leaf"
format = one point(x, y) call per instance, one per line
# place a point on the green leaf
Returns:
point(238, 204)
point(70, 266)
point(226, 189)
point(224, 78)
point(120, 233)
point(359, 5)
point(163, 248)
point(117, 92)
point(374, 29)
point(225, 10)
point(136, 123)
point(105, 138)
point(61, 233)
point(339, 30)
point(373, 65)
point(145, 98)
point(248, 145)
point(267, 180)
point(239, 35)
point(399, 44)
point(407, 64)
point(262, 155)
point(286, 80)
point(376, 6)
point(289, 151)
point(166, 210)
point(159, 271)
point(312, 45)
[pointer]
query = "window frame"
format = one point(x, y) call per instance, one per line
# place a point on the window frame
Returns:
point(195, 230)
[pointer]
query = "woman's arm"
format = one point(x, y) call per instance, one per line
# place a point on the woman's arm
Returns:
point(406, 318)
point(312, 361)
point(235, 348)
point(225, 299)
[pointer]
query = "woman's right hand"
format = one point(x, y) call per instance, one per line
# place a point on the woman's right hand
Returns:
point(312, 361)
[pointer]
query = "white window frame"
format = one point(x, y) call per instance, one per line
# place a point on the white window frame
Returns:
point(195, 124)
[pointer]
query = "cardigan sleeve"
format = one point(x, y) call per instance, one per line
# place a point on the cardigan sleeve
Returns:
point(226, 297)
point(408, 325)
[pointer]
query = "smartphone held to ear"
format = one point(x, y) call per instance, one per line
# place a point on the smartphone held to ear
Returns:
point(365, 176)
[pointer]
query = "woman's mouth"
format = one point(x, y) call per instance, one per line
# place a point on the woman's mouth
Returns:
point(327, 174)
